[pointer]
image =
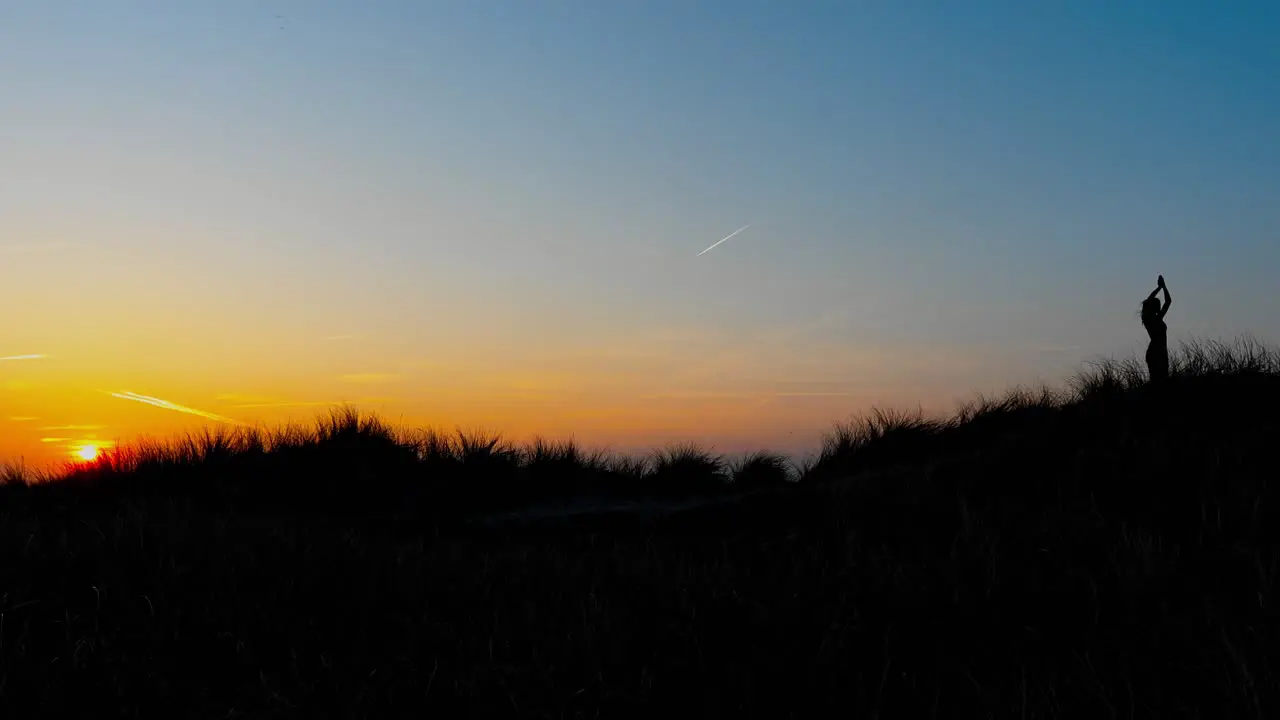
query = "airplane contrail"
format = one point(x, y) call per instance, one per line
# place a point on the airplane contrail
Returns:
point(726, 237)
point(157, 402)
point(23, 357)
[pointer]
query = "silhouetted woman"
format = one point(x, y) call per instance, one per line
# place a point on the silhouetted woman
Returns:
point(1153, 320)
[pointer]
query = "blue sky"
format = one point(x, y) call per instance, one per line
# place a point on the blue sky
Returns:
point(944, 199)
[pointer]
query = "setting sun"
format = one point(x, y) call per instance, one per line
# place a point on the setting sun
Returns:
point(88, 453)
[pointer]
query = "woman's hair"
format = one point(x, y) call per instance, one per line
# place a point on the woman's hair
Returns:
point(1150, 309)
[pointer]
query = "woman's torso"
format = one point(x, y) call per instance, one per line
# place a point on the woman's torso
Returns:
point(1158, 331)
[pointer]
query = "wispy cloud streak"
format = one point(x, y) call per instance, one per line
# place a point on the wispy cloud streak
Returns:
point(34, 248)
point(370, 378)
point(1057, 349)
point(289, 404)
point(24, 357)
point(165, 404)
point(267, 401)
point(726, 237)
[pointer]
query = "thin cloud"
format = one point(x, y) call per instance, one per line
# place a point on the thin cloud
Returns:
point(34, 248)
point(238, 398)
point(34, 356)
point(288, 403)
point(270, 401)
point(22, 418)
point(341, 337)
point(370, 378)
point(54, 439)
point(64, 428)
point(165, 404)
point(801, 387)
point(812, 394)
point(726, 237)
point(695, 395)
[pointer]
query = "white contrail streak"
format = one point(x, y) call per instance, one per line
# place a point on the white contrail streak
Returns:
point(157, 402)
point(726, 237)
point(23, 357)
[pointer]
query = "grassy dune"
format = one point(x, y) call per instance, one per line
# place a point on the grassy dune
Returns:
point(1103, 549)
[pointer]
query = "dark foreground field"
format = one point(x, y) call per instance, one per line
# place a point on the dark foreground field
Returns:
point(1111, 551)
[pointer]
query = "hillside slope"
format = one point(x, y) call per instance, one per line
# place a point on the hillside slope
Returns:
point(1110, 551)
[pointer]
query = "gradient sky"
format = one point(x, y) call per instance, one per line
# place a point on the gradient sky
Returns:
point(489, 213)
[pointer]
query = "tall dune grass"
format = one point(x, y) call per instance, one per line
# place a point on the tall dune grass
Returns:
point(1105, 549)
point(480, 465)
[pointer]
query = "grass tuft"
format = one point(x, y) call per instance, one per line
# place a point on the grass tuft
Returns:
point(760, 469)
point(686, 468)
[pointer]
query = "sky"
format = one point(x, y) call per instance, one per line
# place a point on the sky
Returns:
point(490, 214)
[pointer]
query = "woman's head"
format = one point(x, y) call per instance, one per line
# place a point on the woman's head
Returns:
point(1150, 309)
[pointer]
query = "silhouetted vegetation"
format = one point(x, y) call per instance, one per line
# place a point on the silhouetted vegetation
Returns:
point(1107, 549)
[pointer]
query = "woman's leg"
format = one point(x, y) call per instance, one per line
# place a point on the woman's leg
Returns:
point(1160, 370)
point(1157, 363)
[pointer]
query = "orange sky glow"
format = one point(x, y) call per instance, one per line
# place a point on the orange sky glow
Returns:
point(655, 390)
point(501, 220)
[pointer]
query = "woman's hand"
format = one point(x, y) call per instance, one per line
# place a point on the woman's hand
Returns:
point(1160, 282)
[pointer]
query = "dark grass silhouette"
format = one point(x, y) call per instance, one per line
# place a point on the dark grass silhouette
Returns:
point(1108, 549)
